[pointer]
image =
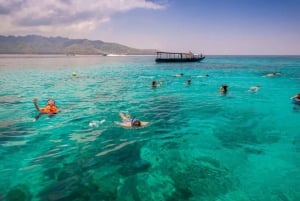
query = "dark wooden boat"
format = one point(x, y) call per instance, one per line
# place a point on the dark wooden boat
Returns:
point(178, 57)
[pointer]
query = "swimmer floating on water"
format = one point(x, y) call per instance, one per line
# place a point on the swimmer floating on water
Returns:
point(296, 99)
point(155, 84)
point(254, 88)
point(223, 89)
point(49, 109)
point(188, 82)
point(206, 75)
point(273, 74)
point(128, 121)
point(178, 75)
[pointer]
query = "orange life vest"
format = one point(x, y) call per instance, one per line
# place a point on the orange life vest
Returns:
point(49, 109)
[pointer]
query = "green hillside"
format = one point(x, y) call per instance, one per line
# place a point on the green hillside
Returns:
point(33, 44)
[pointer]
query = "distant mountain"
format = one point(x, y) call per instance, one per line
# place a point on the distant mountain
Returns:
point(34, 44)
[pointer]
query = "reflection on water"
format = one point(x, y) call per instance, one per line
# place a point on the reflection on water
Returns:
point(198, 146)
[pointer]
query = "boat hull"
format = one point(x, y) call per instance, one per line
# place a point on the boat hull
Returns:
point(160, 60)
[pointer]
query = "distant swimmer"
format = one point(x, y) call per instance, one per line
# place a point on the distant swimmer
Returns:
point(128, 121)
point(178, 75)
point(223, 89)
point(155, 84)
point(270, 75)
point(188, 82)
point(273, 74)
point(203, 75)
point(49, 109)
point(254, 88)
point(296, 99)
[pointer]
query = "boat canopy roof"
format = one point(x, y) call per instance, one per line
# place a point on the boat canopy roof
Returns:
point(174, 53)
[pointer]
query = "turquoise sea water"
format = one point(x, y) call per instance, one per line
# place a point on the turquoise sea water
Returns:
point(199, 145)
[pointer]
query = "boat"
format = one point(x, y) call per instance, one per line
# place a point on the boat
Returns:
point(178, 57)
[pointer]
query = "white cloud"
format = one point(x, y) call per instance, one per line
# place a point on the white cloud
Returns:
point(60, 17)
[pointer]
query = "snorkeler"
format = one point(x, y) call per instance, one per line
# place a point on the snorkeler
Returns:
point(272, 74)
point(296, 99)
point(178, 75)
point(206, 75)
point(49, 109)
point(254, 88)
point(128, 121)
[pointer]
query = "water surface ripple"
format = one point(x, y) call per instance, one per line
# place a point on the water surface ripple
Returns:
point(199, 144)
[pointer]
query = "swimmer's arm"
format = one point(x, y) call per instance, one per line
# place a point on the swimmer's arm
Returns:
point(123, 124)
point(36, 105)
point(123, 116)
point(293, 97)
point(144, 123)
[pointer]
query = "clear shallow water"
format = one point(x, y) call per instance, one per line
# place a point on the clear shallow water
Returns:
point(199, 145)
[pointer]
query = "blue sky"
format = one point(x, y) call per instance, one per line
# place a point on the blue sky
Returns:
point(202, 26)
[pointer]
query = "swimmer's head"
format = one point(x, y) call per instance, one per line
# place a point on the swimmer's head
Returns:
point(223, 88)
point(136, 123)
point(154, 83)
point(51, 102)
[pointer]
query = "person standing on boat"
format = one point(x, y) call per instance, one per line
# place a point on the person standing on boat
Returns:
point(190, 54)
